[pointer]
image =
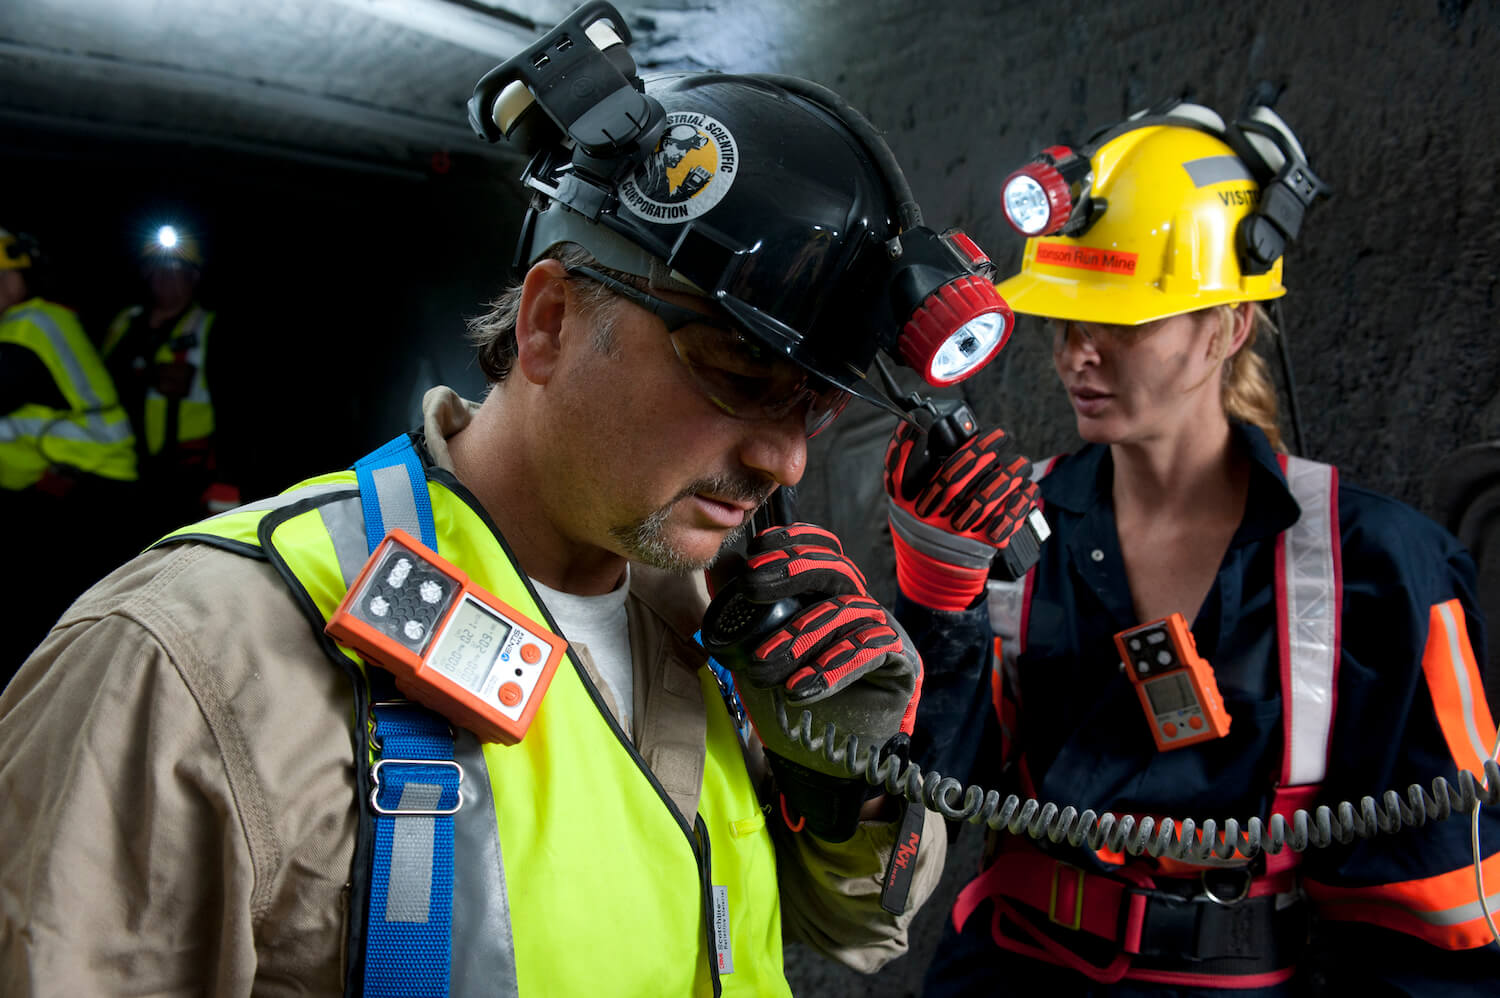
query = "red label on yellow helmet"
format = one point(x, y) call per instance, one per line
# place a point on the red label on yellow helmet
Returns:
point(1085, 258)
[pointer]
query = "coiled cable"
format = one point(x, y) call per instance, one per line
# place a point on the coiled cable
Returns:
point(1184, 840)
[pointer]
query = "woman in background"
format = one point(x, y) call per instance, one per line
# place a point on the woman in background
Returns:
point(1340, 626)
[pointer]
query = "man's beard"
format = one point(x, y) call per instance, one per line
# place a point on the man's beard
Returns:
point(645, 540)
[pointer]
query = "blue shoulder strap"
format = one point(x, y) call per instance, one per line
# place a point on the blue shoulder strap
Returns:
point(415, 781)
point(393, 493)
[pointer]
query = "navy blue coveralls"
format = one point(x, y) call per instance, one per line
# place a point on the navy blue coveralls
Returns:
point(1085, 741)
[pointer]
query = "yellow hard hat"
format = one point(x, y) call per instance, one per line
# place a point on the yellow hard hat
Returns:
point(171, 245)
point(16, 251)
point(1167, 203)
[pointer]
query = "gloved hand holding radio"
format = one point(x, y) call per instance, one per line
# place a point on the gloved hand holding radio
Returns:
point(799, 629)
point(947, 523)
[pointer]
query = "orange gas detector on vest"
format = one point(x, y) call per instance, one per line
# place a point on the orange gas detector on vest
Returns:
point(451, 646)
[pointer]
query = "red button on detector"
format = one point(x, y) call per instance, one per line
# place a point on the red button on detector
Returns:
point(510, 694)
point(1169, 729)
point(530, 654)
point(1195, 722)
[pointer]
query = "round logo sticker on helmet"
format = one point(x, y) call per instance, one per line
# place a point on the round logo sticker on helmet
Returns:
point(690, 171)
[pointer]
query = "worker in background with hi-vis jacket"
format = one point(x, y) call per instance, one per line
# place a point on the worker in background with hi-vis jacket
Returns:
point(66, 451)
point(158, 354)
point(1325, 642)
point(262, 757)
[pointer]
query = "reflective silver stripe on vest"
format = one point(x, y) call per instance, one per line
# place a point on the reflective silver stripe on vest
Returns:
point(345, 523)
point(1311, 605)
point(95, 428)
point(195, 324)
point(484, 951)
point(81, 384)
point(284, 499)
point(483, 961)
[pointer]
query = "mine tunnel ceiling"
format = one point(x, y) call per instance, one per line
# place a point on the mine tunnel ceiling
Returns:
point(375, 84)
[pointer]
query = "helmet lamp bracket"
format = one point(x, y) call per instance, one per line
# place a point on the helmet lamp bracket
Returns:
point(580, 87)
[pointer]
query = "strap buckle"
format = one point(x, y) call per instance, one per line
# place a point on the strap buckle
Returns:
point(401, 812)
point(1077, 921)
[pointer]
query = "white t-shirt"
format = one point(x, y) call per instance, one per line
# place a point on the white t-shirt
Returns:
point(599, 624)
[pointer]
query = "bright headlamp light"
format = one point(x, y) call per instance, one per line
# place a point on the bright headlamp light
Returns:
point(1041, 196)
point(967, 349)
point(956, 322)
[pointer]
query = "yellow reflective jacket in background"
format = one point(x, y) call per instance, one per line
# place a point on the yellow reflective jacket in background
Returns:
point(92, 434)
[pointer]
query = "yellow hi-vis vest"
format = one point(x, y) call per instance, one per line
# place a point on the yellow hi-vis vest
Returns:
point(574, 873)
point(188, 344)
point(92, 434)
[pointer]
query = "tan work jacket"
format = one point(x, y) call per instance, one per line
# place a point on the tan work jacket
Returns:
point(177, 779)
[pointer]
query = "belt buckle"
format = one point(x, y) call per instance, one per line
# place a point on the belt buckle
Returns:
point(1077, 922)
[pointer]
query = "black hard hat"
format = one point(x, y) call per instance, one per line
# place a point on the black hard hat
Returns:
point(777, 213)
point(768, 195)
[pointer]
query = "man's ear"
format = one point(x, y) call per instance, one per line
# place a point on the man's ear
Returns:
point(544, 304)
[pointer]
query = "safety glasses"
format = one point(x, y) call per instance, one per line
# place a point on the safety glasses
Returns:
point(741, 376)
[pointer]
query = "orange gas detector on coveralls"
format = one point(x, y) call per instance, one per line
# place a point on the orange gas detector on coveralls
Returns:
point(1176, 687)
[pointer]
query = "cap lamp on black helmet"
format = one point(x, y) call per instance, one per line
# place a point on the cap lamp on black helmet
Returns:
point(767, 195)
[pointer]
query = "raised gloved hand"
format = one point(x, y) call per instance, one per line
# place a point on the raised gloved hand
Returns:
point(947, 524)
point(799, 629)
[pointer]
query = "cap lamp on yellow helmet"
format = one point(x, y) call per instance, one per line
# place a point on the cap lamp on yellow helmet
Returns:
point(788, 212)
point(1168, 212)
point(18, 251)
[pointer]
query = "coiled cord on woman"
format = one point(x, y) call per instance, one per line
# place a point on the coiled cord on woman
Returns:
point(1181, 840)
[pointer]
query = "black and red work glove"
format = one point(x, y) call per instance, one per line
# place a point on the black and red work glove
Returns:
point(947, 525)
point(799, 630)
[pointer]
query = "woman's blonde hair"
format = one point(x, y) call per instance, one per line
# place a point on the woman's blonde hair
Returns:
point(1247, 391)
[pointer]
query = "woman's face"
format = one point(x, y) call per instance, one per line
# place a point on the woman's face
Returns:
point(1130, 384)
